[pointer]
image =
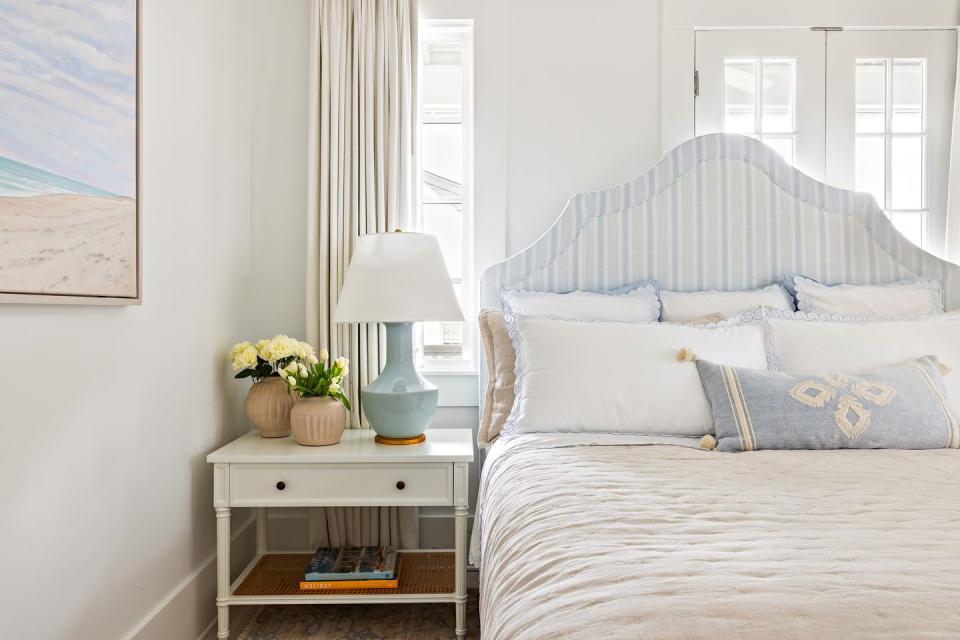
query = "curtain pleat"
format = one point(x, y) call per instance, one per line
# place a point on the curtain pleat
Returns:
point(362, 101)
point(952, 249)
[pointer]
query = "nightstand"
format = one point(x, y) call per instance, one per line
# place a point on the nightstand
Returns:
point(277, 472)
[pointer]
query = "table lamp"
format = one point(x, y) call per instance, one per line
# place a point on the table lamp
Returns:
point(398, 278)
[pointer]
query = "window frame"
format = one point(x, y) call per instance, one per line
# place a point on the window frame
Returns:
point(462, 32)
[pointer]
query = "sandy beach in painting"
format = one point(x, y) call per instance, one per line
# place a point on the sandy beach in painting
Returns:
point(66, 243)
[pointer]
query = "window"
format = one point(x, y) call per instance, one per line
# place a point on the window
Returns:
point(890, 126)
point(760, 100)
point(445, 206)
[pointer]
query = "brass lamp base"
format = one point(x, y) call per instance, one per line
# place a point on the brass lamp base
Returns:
point(414, 440)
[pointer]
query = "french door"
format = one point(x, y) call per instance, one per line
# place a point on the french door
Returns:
point(765, 84)
point(871, 109)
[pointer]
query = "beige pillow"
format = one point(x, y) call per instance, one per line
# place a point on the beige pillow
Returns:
point(501, 374)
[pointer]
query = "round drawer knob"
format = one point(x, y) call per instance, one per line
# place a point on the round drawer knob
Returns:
point(401, 484)
point(281, 485)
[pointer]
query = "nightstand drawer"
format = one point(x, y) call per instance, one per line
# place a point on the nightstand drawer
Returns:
point(332, 485)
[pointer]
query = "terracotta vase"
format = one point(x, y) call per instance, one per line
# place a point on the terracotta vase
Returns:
point(268, 407)
point(318, 421)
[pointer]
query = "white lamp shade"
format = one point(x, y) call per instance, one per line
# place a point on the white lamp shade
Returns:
point(397, 277)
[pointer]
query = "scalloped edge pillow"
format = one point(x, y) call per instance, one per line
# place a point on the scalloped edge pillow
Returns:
point(913, 297)
point(638, 302)
point(687, 306)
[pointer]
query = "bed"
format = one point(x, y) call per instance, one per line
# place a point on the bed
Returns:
point(628, 536)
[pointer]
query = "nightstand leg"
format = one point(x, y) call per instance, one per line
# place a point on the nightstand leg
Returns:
point(261, 530)
point(223, 572)
point(460, 524)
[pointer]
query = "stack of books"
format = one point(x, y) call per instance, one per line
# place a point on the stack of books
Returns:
point(340, 568)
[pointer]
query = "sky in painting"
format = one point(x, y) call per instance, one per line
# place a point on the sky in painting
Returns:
point(68, 89)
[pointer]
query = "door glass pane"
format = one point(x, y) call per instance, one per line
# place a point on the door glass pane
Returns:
point(442, 79)
point(779, 95)
point(870, 166)
point(908, 76)
point(783, 145)
point(906, 172)
point(871, 92)
point(445, 222)
point(441, 160)
point(739, 95)
point(910, 224)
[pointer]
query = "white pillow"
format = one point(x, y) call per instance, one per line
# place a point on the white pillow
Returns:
point(916, 297)
point(679, 306)
point(818, 346)
point(617, 377)
point(639, 304)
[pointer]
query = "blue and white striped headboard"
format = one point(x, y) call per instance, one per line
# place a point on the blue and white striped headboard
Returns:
point(718, 212)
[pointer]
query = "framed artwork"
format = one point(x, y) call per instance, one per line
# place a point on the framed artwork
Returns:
point(69, 151)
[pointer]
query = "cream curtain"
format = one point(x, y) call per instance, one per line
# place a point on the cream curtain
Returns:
point(362, 105)
point(953, 179)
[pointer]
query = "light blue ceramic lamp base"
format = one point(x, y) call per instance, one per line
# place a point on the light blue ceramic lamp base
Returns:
point(400, 403)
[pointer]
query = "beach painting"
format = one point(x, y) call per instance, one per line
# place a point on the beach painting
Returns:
point(68, 150)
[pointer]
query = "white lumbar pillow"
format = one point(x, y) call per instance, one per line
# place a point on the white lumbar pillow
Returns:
point(808, 345)
point(918, 297)
point(681, 306)
point(638, 304)
point(615, 377)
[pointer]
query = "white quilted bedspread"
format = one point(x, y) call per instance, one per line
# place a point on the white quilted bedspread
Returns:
point(674, 542)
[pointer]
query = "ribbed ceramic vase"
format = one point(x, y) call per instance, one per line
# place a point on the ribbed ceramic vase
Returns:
point(268, 407)
point(317, 421)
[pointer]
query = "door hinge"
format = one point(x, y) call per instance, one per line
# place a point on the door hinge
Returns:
point(696, 84)
point(826, 28)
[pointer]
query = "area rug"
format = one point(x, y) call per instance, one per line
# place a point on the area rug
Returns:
point(360, 622)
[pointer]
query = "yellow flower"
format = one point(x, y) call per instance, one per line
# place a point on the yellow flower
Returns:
point(324, 355)
point(282, 347)
point(237, 349)
point(342, 363)
point(302, 350)
point(243, 358)
point(265, 349)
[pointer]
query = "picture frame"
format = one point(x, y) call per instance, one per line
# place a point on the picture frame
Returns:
point(129, 292)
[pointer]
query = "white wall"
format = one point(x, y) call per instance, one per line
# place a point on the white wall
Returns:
point(108, 413)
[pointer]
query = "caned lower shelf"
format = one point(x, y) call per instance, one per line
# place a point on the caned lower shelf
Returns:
point(424, 576)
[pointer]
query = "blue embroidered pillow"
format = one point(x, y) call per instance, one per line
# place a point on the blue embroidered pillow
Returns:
point(902, 406)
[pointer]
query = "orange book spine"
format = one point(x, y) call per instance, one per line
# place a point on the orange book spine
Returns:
point(342, 585)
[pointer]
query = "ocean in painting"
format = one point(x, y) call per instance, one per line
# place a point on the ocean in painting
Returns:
point(22, 180)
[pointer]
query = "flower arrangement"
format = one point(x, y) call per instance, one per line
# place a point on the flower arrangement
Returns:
point(267, 358)
point(318, 379)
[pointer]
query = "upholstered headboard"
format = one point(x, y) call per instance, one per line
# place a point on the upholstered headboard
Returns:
point(718, 212)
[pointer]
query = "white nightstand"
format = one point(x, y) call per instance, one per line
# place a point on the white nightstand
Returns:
point(277, 472)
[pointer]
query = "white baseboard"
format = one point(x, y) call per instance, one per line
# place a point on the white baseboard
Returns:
point(185, 612)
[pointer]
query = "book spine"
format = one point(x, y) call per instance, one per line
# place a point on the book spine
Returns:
point(375, 575)
point(339, 585)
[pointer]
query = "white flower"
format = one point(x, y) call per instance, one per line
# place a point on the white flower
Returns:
point(302, 369)
point(291, 368)
point(334, 387)
point(324, 355)
point(342, 363)
point(291, 381)
point(312, 359)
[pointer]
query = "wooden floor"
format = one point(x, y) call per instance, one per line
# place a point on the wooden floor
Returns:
point(351, 622)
